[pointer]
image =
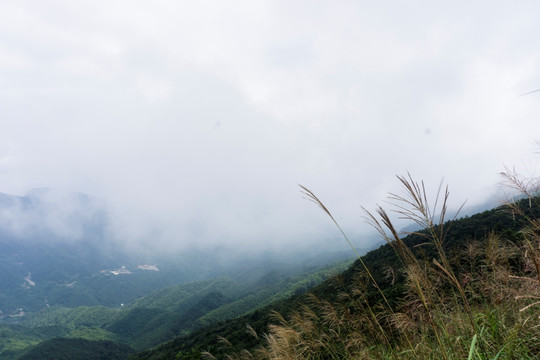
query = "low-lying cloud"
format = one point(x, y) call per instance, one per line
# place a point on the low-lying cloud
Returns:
point(194, 122)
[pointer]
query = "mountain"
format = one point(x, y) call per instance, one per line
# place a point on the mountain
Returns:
point(14, 338)
point(159, 316)
point(479, 238)
point(42, 274)
point(56, 250)
point(163, 314)
point(181, 319)
point(61, 276)
point(77, 349)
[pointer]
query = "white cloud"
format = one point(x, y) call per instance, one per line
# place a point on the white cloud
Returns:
point(153, 89)
point(200, 118)
point(14, 61)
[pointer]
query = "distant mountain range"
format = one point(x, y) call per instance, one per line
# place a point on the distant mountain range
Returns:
point(62, 277)
point(465, 234)
point(64, 297)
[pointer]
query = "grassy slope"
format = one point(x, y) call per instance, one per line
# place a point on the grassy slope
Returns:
point(463, 231)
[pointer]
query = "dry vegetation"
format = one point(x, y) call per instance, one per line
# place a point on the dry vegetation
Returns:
point(478, 302)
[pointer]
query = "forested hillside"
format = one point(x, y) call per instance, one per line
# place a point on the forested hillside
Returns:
point(419, 295)
point(163, 314)
point(77, 349)
point(150, 160)
point(77, 264)
point(409, 288)
point(62, 276)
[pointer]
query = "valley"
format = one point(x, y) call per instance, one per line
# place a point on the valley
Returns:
point(58, 301)
point(160, 315)
point(269, 180)
point(92, 289)
point(333, 319)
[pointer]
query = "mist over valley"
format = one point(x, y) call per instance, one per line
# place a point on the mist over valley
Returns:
point(269, 180)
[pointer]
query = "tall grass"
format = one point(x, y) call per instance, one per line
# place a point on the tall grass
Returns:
point(477, 302)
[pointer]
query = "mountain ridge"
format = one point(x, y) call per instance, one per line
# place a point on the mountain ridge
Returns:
point(462, 232)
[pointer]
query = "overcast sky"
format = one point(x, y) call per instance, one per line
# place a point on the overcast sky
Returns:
point(196, 120)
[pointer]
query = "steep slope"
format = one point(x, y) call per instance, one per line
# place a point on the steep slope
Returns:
point(166, 313)
point(77, 349)
point(463, 234)
point(14, 339)
point(55, 249)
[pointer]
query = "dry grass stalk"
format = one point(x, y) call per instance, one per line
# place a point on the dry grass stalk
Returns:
point(313, 198)
point(494, 297)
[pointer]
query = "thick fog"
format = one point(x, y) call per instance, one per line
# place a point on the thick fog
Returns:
point(193, 122)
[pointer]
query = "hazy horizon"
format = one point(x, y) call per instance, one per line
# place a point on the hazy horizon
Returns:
point(195, 122)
